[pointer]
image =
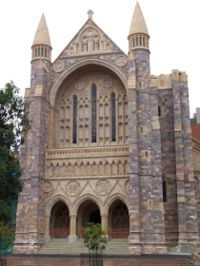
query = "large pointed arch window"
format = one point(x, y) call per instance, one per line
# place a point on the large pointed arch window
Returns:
point(94, 112)
point(113, 116)
point(74, 124)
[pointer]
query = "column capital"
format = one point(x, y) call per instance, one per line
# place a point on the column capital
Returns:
point(104, 215)
point(72, 215)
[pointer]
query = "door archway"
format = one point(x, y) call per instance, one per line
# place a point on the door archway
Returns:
point(88, 212)
point(59, 221)
point(118, 220)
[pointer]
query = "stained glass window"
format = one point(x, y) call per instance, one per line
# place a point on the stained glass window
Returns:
point(94, 113)
point(74, 126)
point(113, 116)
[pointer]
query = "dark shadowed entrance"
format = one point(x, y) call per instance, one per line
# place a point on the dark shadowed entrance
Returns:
point(118, 220)
point(59, 221)
point(88, 212)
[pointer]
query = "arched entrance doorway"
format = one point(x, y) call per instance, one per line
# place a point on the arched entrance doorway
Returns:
point(118, 220)
point(59, 221)
point(88, 212)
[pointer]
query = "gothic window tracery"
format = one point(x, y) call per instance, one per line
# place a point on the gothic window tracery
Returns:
point(91, 109)
point(84, 47)
point(96, 45)
point(89, 41)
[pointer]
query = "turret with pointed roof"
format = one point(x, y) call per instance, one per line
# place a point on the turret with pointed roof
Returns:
point(41, 47)
point(138, 34)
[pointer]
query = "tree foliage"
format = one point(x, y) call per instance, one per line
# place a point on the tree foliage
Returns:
point(6, 234)
point(13, 126)
point(95, 237)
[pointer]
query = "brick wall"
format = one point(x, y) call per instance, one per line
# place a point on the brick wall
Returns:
point(67, 261)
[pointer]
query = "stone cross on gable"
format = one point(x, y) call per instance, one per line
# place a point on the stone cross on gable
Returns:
point(90, 14)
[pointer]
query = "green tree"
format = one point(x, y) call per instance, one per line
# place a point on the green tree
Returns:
point(95, 238)
point(13, 126)
point(6, 234)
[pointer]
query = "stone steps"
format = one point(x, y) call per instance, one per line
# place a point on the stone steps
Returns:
point(62, 246)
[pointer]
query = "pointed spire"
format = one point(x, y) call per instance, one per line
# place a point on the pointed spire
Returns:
point(42, 33)
point(138, 24)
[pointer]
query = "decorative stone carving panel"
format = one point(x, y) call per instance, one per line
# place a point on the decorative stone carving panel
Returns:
point(103, 187)
point(121, 61)
point(47, 187)
point(57, 169)
point(89, 41)
point(58, 66)
point(73, 188)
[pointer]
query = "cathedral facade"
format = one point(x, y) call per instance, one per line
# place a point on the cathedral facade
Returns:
point(109, 143)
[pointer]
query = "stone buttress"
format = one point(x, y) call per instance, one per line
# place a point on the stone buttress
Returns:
point(186, 202)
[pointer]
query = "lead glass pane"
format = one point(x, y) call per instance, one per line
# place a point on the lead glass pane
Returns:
point(113, 114)
point(94, 113)
point(74, 133)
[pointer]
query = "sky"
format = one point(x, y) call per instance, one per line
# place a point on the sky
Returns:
point(173, 27)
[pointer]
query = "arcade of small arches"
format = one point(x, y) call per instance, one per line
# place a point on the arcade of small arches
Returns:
point(64, 223)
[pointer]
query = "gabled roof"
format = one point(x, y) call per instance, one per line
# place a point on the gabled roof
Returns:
point(196, 131)
point(90, 27)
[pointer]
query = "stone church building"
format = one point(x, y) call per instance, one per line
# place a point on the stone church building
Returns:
point(109, 143)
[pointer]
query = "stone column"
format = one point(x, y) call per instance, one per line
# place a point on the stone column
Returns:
point(104, 222)
point(72, 235)
point(47, 229)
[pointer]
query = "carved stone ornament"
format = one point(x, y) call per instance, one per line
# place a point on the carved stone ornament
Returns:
point(128, 187)
point(103, 187)
point(48, 187)
point(121, 61)
point(73, 188)
point(108, 83)
point(58, 66)
point(79, 84)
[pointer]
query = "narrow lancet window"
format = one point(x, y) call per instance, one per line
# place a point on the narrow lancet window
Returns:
point(137, 41)
point(94, 113)
point(159, 111)
point(84, 47)
point(74, 126)
point(113, 116)
point(140, 41)
point(96, 45)
point(133, 42)
point(164, 184)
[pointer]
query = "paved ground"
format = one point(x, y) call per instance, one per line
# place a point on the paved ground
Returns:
point(67, 260)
